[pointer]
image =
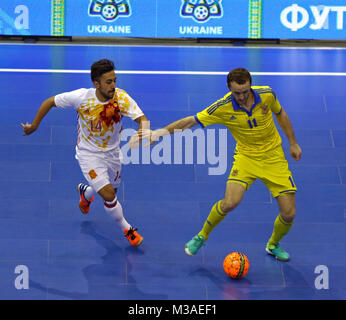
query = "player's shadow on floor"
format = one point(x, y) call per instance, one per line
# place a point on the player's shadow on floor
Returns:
point(230, 289)
point(114, 256)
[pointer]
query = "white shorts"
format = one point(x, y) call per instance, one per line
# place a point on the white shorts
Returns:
point(100, 169)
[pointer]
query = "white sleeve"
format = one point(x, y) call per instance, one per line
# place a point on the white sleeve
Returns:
point(69, 99)
point(128, 107)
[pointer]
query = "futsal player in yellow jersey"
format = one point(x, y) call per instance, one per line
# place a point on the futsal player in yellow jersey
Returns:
point(248, 113)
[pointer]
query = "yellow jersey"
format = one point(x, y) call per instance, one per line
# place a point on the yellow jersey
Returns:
point(254, 131)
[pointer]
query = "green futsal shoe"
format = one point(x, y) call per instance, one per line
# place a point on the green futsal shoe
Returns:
point(193, 245)
point(277, 252)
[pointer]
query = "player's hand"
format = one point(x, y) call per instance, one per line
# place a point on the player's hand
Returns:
point(146, 134)
point(138, 137)
point(295, 151)
point(28, 128)
point(135, 141)
point(153, 137)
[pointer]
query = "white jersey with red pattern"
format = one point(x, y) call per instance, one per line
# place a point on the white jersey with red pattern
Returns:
point(99, 123)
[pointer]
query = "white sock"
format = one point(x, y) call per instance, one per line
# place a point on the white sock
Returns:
point(115, 210)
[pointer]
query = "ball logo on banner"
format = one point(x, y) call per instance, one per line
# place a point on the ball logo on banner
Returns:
point(109, 10)
point(201, 10)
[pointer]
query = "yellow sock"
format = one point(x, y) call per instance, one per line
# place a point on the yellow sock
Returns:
point(216, 215)
point(281, 227)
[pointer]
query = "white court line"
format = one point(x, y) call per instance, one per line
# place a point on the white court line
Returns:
point(198, 73)
point(177, 45)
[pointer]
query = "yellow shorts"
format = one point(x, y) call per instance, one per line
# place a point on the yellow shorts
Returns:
point(272, 170)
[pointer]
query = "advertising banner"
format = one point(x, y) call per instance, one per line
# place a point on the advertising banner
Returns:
point(203, 19)
point(241, 19)
point(111, 18)
point(304, 19)
point(25, 17)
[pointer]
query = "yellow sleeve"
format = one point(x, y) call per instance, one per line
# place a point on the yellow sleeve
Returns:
point(211, 115)
point(205, 119)
point(275, 105)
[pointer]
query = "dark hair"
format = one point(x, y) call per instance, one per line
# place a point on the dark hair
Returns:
point(239, 75)
point(100, 67)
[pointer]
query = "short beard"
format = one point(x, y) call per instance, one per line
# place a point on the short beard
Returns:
point(106, 96)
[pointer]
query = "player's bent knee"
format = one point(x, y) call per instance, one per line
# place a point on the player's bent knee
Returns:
point(109, 197)
point(228, 205)
point(107, 193)
point(289, 214)
point(287, 207)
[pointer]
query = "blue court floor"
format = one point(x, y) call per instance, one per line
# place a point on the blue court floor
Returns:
point(73, 256)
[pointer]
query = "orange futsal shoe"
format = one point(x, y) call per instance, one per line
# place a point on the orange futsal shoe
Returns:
point(84, 204)
point(135, 238)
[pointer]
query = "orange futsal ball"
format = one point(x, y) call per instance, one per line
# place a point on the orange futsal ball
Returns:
point(236, 265)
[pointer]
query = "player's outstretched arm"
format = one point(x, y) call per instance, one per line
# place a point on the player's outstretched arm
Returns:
point(46, 105)
point(286, 126)
point(179, 125)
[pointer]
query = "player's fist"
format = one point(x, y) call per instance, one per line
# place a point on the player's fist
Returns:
point(28, 128)
point(295, 151)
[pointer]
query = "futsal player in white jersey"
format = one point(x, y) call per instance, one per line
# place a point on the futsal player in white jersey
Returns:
point(99, 111)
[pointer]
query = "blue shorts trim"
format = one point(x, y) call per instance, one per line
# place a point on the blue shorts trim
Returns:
point(239, 181)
